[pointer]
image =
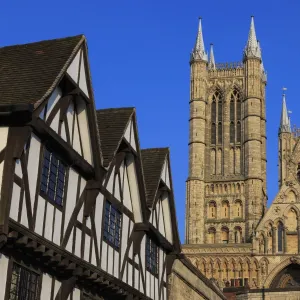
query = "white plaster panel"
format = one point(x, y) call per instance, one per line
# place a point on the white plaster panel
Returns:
point(167, 175)
point(93, 260)
point(133, 183)
point(130, 274)
point(163, 173)
point(87, 245)
point(33, 166)
point(3, 137)
point(161, 220)
point(42, 114)
point(84, 131)
point(55, 122)
point(63, 133)
point(110, 182)
point(156, 290)
point(132, 138)
point(76, 139)
point(24, 218)
point(82, 78)
point(125, 273)
point(136, 278)
point(76, 294)
point(73, 69)
point(70, 242)
point(117, 188)
point(78, 242)
point(124, 236)
point(56, 287)
point(167, 217)
point(55, 96)
point(15, 199)
point(127, 201)
point(116, 265)
point(57, 227)
point(1, 173)
point(3, 271)
point(71, 196)
point(143, 249)
point(40, 216)
point(70, 118)
point(104, 256)
point(127, 132)
point(110, 259)
point(18, 168)
point(148, 283)
point(46, 287)
point(98, 217)
point(49, 222)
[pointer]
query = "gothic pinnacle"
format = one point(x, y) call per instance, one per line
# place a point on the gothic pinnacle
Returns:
point(211, 63)
point(199, 49)
point(284, 121)
point(252, 47)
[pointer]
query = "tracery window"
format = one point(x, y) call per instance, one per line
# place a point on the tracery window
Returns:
point(216, 118)
point(235, 117)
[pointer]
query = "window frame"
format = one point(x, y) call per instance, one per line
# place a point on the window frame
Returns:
point(60, 162)
point(107, 225)
point(150, 245)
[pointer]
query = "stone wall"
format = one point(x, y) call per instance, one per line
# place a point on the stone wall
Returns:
point(267, 295)
point(187, 282)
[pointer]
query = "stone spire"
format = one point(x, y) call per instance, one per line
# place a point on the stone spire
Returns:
point(211, 63)
point(285, 120)
point(199, 49)
point(252, 47)
point(263, 71)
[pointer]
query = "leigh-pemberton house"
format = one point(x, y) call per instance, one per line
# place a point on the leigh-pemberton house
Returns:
point(84, 212)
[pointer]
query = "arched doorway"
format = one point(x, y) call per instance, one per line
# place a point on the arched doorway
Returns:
point(289, 277)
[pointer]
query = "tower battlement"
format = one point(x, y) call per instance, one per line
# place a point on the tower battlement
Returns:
point(227, 69)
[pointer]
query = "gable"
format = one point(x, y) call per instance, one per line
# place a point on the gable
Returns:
point(129, 135)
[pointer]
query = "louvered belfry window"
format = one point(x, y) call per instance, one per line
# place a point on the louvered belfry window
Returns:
point(53, 177)
point(151, 256)
point(25, 284)
point(112, 225)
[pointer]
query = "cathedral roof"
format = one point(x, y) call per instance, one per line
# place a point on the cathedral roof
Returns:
point(30, 71)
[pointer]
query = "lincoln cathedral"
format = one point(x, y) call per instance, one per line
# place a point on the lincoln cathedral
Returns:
point(248, 249)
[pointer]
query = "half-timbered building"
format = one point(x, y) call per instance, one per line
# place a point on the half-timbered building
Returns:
point(84, 212)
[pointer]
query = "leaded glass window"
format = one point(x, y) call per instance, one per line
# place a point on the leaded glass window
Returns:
point(24, 284)
point(112, 225)
point(53, 177)
point(151, 256)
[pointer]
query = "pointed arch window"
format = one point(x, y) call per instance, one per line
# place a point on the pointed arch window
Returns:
point(235, 117)
point(220, 133)
point(280, 237)
point(216, 118)
point(238, 132)
point(232, 131)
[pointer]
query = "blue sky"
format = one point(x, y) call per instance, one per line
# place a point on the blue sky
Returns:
point(139, 56)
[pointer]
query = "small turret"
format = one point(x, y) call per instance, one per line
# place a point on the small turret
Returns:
point(252, 49)
point(211, 63)
point(199, 49)
point(284, 120)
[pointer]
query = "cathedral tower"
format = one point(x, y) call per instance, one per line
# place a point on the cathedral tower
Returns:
point(226, 186)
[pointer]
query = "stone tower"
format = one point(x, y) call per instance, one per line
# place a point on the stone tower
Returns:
point(286, 142)
point(226, 185)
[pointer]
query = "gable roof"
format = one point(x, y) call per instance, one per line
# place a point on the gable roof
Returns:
point(153, 161)
point(112, 124)
point(30, 71)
